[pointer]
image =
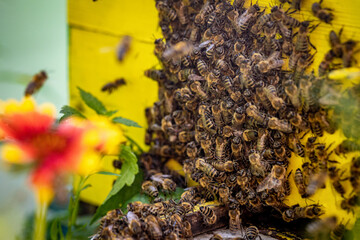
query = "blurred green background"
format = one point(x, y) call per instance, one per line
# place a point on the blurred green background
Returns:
point(33, 38)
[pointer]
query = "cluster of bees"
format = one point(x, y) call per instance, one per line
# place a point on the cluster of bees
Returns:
point(236, 101)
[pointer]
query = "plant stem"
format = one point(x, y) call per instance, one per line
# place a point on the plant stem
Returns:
point(40, 221)
point(74, 207)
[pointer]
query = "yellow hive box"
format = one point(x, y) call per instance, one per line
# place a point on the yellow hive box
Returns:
point(97, 27)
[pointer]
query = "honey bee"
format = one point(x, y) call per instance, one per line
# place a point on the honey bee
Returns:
point(241, 23)
point(297, 146)
point(296, 4)
point(217, 115)
point(252, 233)
point(133, 222)
point(338, 232)
point(166, 11)
point(336, 180)
point(316, 181)
point(349, 51)
point(36, 83)
point(186, 74)
point(297, 121)
point(157, 75)
point(320, 228)
point(224, 194)
point(299, 182)
point(136, 207)
point(253, 112)
point(302, 41)
point(349, 204)
point(236, 147)
point(315, 125)
point(150, 189)
point(216, 237)
point(202, 68)
point(258, 167)
point(209, 215)
point(293, 93)
point(226, 111)
point(187, 229)
point(178, 50)
point(153, 227)
point(280, 125)
point(196, 87)
point(275, 101)
point(324, 14)
point(207, 146)
point(207, 119)
point(123, 47)
point(239, 117)
point(275, 180)
point(311, 211)
point(271, 200)
point(273, 62)
point(191, 150)
point(206, 168)
point(234, 220)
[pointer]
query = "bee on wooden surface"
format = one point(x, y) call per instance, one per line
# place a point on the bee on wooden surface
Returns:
point(324, 14)
point(251, 233)
point(209, 215)
point(123, 47)
point(36, 83)
point(133, 222)
point(150, 189)
point(178, 50)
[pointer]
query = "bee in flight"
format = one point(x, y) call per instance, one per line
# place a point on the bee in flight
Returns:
point(111, 86)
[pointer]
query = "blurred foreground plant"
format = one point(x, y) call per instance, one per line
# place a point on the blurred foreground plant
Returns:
point(34, 140)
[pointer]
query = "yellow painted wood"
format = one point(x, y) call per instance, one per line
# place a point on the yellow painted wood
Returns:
point(95, 29)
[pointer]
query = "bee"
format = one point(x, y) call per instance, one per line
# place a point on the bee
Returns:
point(216, 111)
point(166, 11)
point(297, 146)
point(157, 75)
point(293, 93)
point(209, 170)
point(320, 228)
point(123, 47)
point(272, 62)
point(310, 149)
point(189, 194)
point(271, 201)
point(224, 194)
point(335, 43)
point(196, 87)
point(178, 50)
point(349, 50)
point(117, 164)
point(279, 150)
point(133, 222)
point(311, 211)
point(297, 121)
point(324, 14)
point(210, 51)
point(274, 180)
point(252, 233)
point(325, 64)
point(136, 207)
point(258, 167)
point(336, 180)
point(226, 111)
point(220, 149)
point(207, 119)
point(299, 182)
point(241, 23)
point(239, 117)
point(207, 146)
point(275, 101)
point(153, 227)
point(315, 125)
point(280, 125)
point(36, 83)
point(202, 68)
point(349, 204)
point(209, 215)
point(236, 147)
point(296, 4)
point(234, 220)
point(150, 189)
point(191, 150)
point(253, 112)
point(216, 237)
point(185, 74)
point(316, 181)
point(187, 229)
point(302, 41)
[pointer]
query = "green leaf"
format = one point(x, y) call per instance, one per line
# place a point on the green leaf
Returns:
point(92, 102)
point(85, 187)
point(120, 192)
point(110, 113)
point(55, 230)
point(126, 122)
point(108, 173)
point(69, 111)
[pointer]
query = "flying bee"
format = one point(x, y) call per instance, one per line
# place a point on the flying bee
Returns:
point(316, 181)
point(178, 50)
point(209, 170)
point(293, 93)
point(252, 233)
point(153, 227)
point(234, 220)
point(150, 189)
point(123, 47)
point(209, 215)
point(336, 180)
point(133, 222)
point(299, 182)
point(322, 227)
point(274, 180)
point(324, 14)
point(253, 112)
point(36, 83)
point(297, 146)
point(280, 125)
